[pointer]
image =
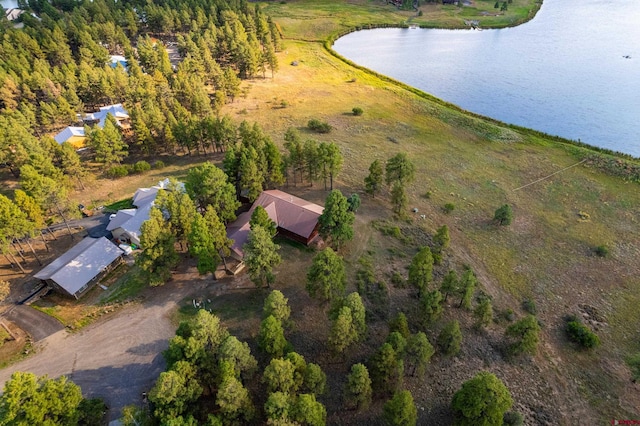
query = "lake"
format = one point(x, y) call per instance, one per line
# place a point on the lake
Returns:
point(563, 73)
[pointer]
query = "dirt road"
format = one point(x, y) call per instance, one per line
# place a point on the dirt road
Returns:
point(119, 357)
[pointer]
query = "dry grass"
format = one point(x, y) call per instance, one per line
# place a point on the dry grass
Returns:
point(547, 254)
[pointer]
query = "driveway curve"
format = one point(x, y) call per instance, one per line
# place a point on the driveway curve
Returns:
point(118, 357)
point(39, 325)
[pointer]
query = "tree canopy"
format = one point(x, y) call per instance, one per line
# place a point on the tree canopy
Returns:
point(336, 221)
point(326, 278)
point(482, 401)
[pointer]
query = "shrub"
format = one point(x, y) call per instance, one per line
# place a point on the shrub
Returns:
point(503, 215)
point(141, 167)
point(158, 164)
point(449, 207)
point(319, 126)
point(118, 171)
point(602, 251)
point(512, 418)
point(581, 334)
point(397, 280)
point(357, 111)
point(634, 364)
point(529, 306)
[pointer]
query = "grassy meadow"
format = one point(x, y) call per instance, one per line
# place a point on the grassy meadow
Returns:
point(547, 254)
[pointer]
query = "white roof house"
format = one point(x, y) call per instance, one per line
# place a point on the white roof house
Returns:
point(125, 225)
point(76, 270)
point(68, 133)
point(117, 111)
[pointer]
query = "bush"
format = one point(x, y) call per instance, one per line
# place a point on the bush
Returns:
point(158, 164)
point(529, 306)
point(512, 418)
point(581, 334)
point(319, 126)
point(397, 280)
point(634, 364)
point(602, 251)
point(503, 215)
point(449, 207)
point(141, 167)
point(357, 111)
point(118, 171)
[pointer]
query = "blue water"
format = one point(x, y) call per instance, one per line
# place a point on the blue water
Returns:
point(563, 73)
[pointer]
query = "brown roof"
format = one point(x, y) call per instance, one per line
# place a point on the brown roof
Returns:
point(289, 212)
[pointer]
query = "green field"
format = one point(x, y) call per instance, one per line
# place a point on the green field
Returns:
point(547, 254)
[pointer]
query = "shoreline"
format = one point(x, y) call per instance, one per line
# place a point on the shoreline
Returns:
point(591, 149)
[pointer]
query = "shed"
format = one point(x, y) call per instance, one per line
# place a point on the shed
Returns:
point(296, 219)
point(74, 135)
point(77, 270)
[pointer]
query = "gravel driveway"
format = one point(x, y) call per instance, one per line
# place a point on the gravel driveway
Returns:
point(118, 357)
point(38, 324)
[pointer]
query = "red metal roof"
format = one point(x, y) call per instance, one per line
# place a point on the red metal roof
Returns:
point(289, 212)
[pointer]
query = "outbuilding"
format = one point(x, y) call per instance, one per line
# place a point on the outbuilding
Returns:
point(81, 267)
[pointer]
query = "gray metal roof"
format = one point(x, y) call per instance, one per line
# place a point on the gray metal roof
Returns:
point(80, 264)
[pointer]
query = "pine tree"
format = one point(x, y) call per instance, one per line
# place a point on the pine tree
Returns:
point(418, 352)
point(357, 392)
point(336, 221)
point(158, 255)
point(421, 270)
point(326, 279)
point(373, 182)
point(261, 256)
point(271, 338)
point(400, 410)
point(450, 338)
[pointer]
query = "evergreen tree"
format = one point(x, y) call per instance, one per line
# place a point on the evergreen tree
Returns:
point(468, 284)
point(503, 215)
point(234, 400)
point(400, 324)
point(158, 255)
point(343, 332)
point(483, 313)
point(28, 399)
point(208, 241)
point(418, 352)
point(326, 279)
point(308, 411)
point(357, 392)
point(399, 199)
point(260, 217)
point(208, 185)
point(238, 355)
point(386, 369)
point(277, 305)
point(450, 338)
point(336, 221)
point(483, 400)
point(279, 376)
point(261, 256)
point(373, 182)
point(400, 410)
point(399, 169)
point(421, 270)
point(450, 284)
point(271, 338)
point(175, 391)
point(430, 307)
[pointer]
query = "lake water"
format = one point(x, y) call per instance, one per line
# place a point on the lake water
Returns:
point(563, 73)
point(9, 4)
